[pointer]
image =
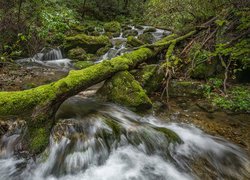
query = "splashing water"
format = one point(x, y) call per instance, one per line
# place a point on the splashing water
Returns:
point(110, 142)
point(49, 58)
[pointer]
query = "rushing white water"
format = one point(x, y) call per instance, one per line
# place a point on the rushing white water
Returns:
point(122, 42)
point(49, 58)
point(111, 142)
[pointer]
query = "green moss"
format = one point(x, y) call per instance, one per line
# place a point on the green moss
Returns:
point(112, 26)
point(150, 29)
point(146, 38)
point(128, 33)
point(83, 64)
point(150, 78)
point(123, 89)
point(204, 71)
point(169, 134)
point(103, 50)
point(89, 43)
point(188, 89)
point(134, 42)
point(77, 54)
point(39, 140)
point(115, 126)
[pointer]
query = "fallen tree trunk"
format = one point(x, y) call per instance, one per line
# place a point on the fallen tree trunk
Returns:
point(45, 100)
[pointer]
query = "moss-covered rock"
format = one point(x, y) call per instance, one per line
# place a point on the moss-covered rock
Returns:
point(103, 50)
point(113, 26)
point(131, 32)
point(134, 42)
point(188, 89)
point(205, 70)
point(83, 64)
point(150, 29)
point(139, 27)
point(123, 89)
point(89, 43)
point(77, 54)
point(146, 38)
point(169, 134)
point(150, 77)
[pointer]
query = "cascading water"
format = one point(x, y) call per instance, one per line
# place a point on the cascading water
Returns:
point(122, 48)
point(50, 58)
point(96, 141)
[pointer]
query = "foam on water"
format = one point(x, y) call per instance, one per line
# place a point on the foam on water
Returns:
point(89, 148)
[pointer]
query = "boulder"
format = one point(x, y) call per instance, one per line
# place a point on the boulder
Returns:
point(123, 89)
point(112, 26)
point(146, 38)
point(134, 42)
point(89, 43)
point(150, 77)
point(150, 29)
point(188, 89)
point(77, 54)
point(130, 33)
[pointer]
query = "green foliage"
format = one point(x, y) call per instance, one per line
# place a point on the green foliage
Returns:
point(238, 99)
point(244, 16)
point(215, 83)
point(179, 13)
point(54, 23)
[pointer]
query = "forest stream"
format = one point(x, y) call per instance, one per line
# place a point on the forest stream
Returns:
point(96, 140)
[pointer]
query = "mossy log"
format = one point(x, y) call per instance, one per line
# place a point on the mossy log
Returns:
point(44, 101)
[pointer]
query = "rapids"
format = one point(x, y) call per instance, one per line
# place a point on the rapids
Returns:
point(106, 141)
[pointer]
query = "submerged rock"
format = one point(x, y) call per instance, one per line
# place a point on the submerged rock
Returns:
point(89, 43)
point(123, 89)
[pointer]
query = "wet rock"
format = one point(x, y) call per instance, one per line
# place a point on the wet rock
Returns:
point(117, 34)
point(90, 44)
point(124, 28)
point(207, 106)
point(102, 51)
point(130, 33)
point(139, 27)
point(77, 107)
point(4, 127)
point(123, 89)
point(151, 29)
point(188, 89)
point(146, 38)
point(134, 42)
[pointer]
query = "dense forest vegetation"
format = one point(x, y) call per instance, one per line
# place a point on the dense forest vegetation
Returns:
point(150, 55)
point(26, 27)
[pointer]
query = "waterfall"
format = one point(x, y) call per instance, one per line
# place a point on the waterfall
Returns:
point(53, 54)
